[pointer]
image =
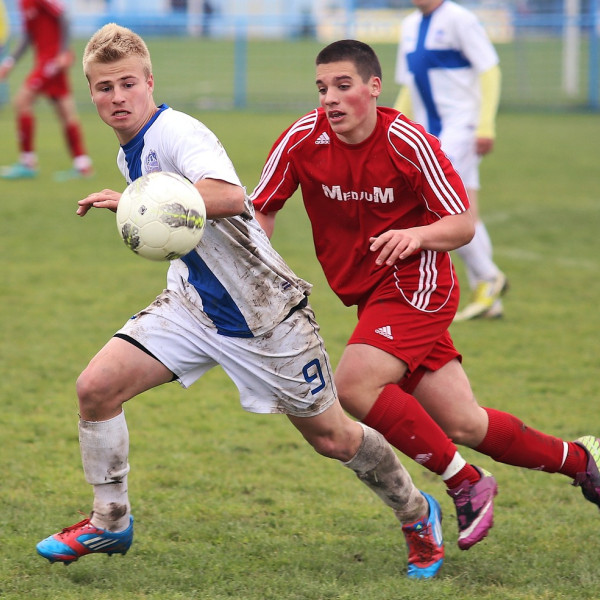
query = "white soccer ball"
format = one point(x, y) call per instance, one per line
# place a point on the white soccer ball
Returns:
point(161, 216)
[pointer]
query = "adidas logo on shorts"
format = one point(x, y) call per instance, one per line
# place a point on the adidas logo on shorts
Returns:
point(322, 139)
point(385, 332)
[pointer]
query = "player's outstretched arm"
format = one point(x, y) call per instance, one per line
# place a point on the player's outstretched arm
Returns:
point(9, 62)
point(449, 233)
point(104, 199)
point(222, 199)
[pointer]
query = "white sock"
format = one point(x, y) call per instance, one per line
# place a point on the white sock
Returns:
point(29, 159)
point(456, 464)
point(104, 452)
point(82, 162)
point(379, 468)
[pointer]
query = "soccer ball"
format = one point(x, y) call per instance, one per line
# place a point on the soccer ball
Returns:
point(161, 216)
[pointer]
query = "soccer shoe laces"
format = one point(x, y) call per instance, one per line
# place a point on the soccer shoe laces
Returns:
point(419, 541)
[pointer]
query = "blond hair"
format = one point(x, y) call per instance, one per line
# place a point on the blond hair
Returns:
point(114, 42)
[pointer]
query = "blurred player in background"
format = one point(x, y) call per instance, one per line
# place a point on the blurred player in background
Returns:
point(254, 320)
point(46, 28)
point(450, 79)
point(386, 207)
point(4, 35)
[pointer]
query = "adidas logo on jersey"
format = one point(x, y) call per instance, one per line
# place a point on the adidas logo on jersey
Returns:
point(322, 139)
point(385, 332)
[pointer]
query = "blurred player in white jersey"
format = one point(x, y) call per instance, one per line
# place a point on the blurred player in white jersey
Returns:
point(231, 302)
point(450, 79)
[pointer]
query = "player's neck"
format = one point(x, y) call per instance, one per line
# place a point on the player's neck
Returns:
point(428, 7)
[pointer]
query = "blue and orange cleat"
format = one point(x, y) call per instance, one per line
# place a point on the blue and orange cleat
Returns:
point(83, 538)
point(73, 173)
point(18, 171)
point(425, 542)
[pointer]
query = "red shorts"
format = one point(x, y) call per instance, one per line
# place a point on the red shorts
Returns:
point(421, 339)
point(44, 79)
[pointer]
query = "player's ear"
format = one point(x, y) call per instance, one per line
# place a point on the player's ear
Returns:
point(90, 89)
point(375, 86)
point(150, 82)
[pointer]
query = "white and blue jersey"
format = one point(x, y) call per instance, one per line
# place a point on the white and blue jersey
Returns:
point(233, 281)
point(440, 58)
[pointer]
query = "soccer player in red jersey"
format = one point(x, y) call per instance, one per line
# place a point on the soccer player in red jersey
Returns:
point(46, 29)
point(386, 207)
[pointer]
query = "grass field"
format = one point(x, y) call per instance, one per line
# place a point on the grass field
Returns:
point(233, 505)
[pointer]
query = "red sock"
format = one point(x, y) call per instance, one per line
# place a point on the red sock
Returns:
point(25, 127)
point(508, 440)
point(408, 427)
point(467, 472)
point(74, 139)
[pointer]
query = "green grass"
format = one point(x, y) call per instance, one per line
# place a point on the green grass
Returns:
point(233, 505)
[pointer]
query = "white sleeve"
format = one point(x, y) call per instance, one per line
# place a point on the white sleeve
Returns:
point(475, 43)
point(197, 152)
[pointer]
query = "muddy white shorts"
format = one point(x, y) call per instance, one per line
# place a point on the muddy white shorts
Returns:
point(286, 370)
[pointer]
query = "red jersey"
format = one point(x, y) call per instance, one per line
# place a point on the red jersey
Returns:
point(395, 179)
point(41, 21)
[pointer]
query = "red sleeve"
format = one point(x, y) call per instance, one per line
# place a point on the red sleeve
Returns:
point(278, 180)
point(433, 176)
point(52, 7)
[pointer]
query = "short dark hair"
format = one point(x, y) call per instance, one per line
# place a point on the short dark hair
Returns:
point(362, 55)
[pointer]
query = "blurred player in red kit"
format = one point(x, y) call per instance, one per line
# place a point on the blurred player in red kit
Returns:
point(46, 29)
